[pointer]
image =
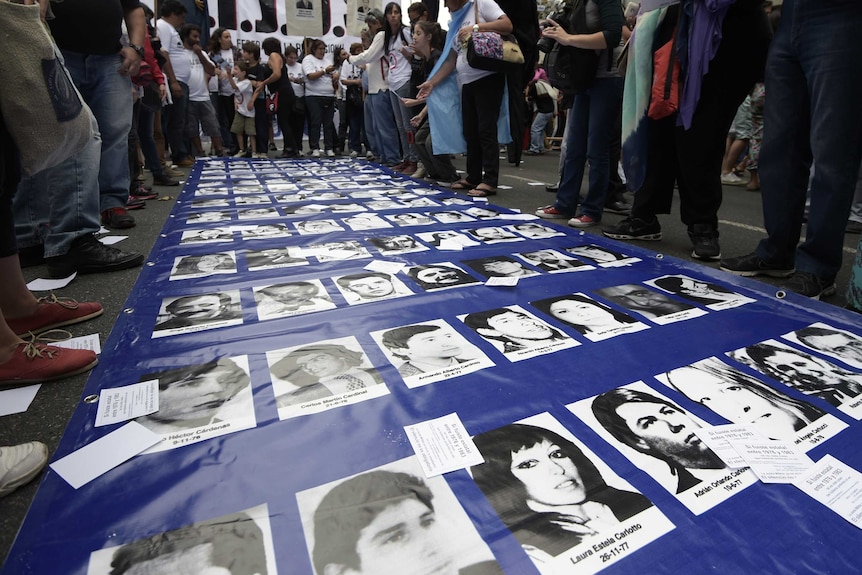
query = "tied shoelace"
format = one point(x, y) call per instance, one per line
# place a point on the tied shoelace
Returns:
point(66, 302)
point(37, 346)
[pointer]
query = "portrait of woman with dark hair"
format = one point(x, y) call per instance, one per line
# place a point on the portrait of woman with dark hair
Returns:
point(219, 263)
point(590, 318)
point(546, 491)
point(741, 398)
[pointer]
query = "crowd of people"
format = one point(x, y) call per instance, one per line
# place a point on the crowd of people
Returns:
point(155, 83)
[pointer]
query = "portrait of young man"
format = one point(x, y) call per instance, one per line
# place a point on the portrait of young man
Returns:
point(429, 351)
point(516, 333)
point(290, 299)
point(191, 313)
point(391, 520)
point(843, 345)
point(432, 277)
point(649, 303)
point(367, 286)
point(659, 437)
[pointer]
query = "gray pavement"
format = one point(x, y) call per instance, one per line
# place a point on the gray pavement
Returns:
point(741, 228)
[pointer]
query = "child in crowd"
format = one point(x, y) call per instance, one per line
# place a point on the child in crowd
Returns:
point(243, 121)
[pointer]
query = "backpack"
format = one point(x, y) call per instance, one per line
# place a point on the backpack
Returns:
point(572, 69)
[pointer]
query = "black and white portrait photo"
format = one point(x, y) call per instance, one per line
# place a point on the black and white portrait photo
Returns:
point(399, 244)
point(273, 258)
point(602, 257)
point(451, 217)
point(430, 351)
point(558, 498)
point(290, 299)
point(536, 231)
point(592, 319)
point(500, 267)
point(258, 214)
point(493, 235)
point(234, 544)
point(305, 209)
point(311, 378)
point(805, 373)
point(211, 203)
point(659, 437)
point(432, 277)
point(711, 295)
point(209, 399)
point(391, 520)
point(265, 231)
point(188, 267)
point(516, 333)
point(206, 236)
point(311, 227)
point(191, 313)
point(482, 213)
point(409, 219)
point(384, 204)
point(366, 221)
point(336, 251)
point(370, 286)
point(252, 200)
point(554, 262)
point(447, 240)
point(207, 217)
point(745, 400)
point(843, 345)
point(649, 303)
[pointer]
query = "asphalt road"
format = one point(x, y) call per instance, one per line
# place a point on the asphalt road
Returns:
point(741, 228)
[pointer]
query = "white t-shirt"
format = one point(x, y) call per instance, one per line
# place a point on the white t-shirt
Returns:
point(176, 51)
point(198, 89)
point(322, 86)
point(488, 12)
point(374, 69)
point(242, 95)
point(295, 73)
point(399, 66)
point(221, 85)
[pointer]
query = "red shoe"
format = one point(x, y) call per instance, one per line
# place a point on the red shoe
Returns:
point(54, 312)
point(399, 167)
point(35, 363)
point(409, 169)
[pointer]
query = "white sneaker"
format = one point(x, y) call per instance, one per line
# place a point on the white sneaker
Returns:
point(732, 179)
point(330, 154)
point(354, 154)
point(315, 153)
point(19, 464)
point(420, 172)
point(369, 155)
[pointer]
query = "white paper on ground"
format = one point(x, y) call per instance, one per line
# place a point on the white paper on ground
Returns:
point(536, 183)
point(773, 461)
point(836, 485)
point(385, 266)
point(450, 244)
point(93, 460)
point(111, 240)
point(42, 284)
point(519, 217)
point(17, 400)
point(120, 404)
point(90, 342)
point(718, 439)
point(502, 281)
point(443, 445)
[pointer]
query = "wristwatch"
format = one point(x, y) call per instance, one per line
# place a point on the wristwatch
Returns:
point(475, 28)
point(138, 49)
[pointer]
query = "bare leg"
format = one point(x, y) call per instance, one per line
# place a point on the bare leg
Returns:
point(15, 299)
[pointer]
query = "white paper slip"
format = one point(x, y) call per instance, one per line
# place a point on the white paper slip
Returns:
point(450, 244)
point(120, 404)
point(519, 217)
point(103, 230)
point(42, 284)
point(93, 460)
point(479, 199)
point(773, 461)
point(837, 486)
point(535, 183)
point(17, 400)
point(443, 445)
point(718, 439)
point(111, 240)
point(385, 267)
point(90, 342)
point(502, 281)
point(502, 187)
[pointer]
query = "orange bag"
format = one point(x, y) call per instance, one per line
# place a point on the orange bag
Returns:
point(664, 100)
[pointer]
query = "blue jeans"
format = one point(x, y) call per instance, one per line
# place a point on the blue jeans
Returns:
point(60, 204)
point(814, 84)
point(321, 110)
point(588, 139)
point(403, 114)
point(109, 96)
point(537, 131)
point(384, 132)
